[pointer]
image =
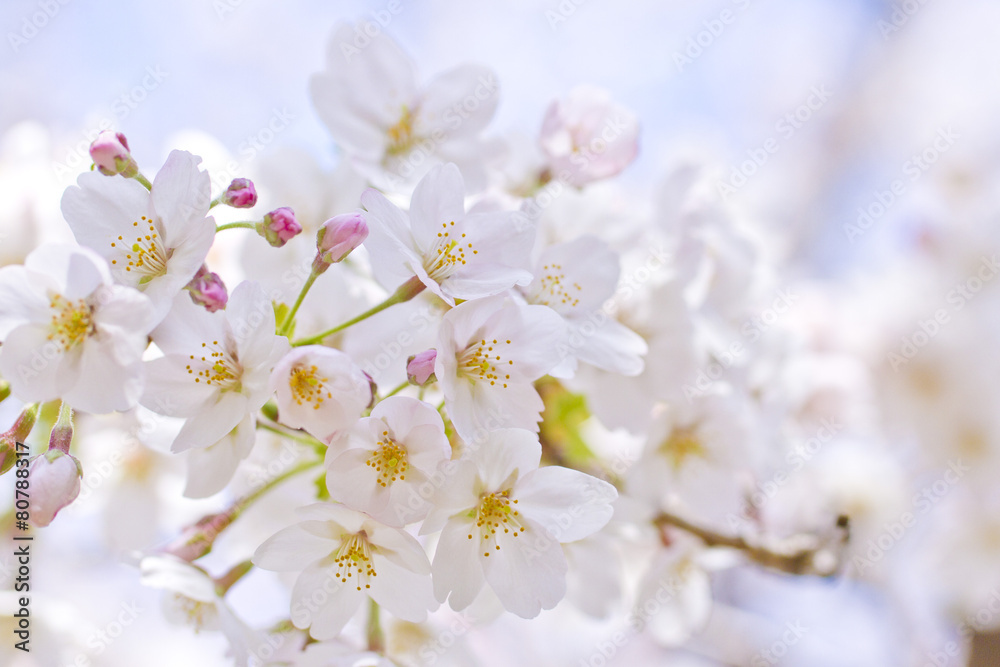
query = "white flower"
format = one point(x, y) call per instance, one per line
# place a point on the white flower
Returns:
point(588, 137)
point(391, 128)
point(155, 240)
point(488, 354)
point(456, 255)
point(69, 333)
point(576, 279)
point(321, 390)
point(389, 456)
point(215, 367)
point(348, 556)
point(504, 519)
point(193, 599)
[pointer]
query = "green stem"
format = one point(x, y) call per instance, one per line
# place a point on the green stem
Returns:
point(374, 634)
point(235, 573)
point(145, 181)
point(290, 318)
point(215, 202)
point(406, 291)
point(236, 225)
point(298, 437)
point(401, 387)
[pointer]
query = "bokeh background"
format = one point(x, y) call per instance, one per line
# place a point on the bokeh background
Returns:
point(196, 73)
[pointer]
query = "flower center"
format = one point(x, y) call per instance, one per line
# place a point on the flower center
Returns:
point(483, 361)
point(389, 460)
point(72, 321)
point(448, 254)
point(553, 290)
point(355, 557)
point(495, 511)
point(682, 444)
point(219, 369)
point(199, 614)
point(146, 257)
point(400, 135)
point(307, 387)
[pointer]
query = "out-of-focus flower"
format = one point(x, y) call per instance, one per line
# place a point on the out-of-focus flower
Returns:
point(215, 367)
point(339, 236)
point(279, 226)
point(111, 155)
point(54, 480)
point(387, 457)
point(456, 255)
point(588, 137)
point(576, 279)
point(503, 520)
point(208, 290)
point(321, 390)
point(350, 556)
point(488, 354)
point(241, 193)
point(420, 368)
point(155, 240)
point(69, 333)
point(193, 598)
point(393, 129)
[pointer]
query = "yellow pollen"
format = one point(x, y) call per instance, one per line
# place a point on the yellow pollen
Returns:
point(553, 288)
point(388, 460)
point(150, 257)
point(682, 444)
point(307, 387)
point(355, 557)
point(480, 361)
point(496, 512)
point(72, 321)
point(401, 138)
point(219, 369)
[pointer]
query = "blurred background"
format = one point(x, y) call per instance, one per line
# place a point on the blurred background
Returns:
point(832, 101)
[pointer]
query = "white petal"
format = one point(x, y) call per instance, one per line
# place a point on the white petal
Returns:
point(527, 572)
point(291, 549)
point(570, 504)
point(340, 601)
point(181, 195)
point(406, 594)
point(211, 468)
point(450, 89)
point(211, 423)
point(437, 200)
point(457, 574)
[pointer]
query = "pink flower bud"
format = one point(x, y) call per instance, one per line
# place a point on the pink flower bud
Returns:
point(111, 155)
point(420, 368)
point(54, 481)
point(588, 137)
point(240, 194)
point(279, 226)
point(208, 290)
point(340, 235)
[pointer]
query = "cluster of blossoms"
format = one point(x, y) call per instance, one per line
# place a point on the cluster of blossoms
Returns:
point(498, 386)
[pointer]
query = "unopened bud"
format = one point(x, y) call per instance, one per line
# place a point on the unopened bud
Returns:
point(420, 368)
point(208, 290)
point(279, 226)
point(339, 236)
point(17, 433)
point(111, 155)
point(54, 480)
point(240, 194)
